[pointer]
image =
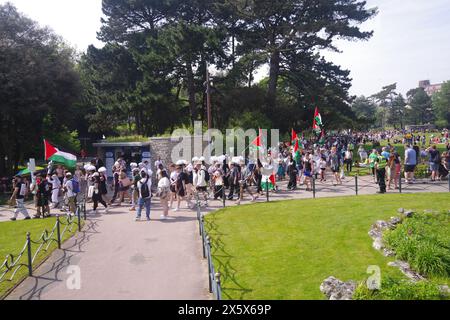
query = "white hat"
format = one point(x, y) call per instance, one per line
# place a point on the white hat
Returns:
point(133, 165)
point(91, 168)
point(86, 167)
point(180, 163)
point(195, 159)
point(102, 170)
point(202, 159)
point(96, 174)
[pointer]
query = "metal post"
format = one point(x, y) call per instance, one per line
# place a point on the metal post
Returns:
point(202, 228)
point(84, 209)
point(58, 231)
point(356, 184)
point(314, 187)
point(219, 287)
point(208, 243)
point(400, 183)
point(267, 190)
point(224, 195)
point(30, 259)
point(79, 219)
point(449, 182)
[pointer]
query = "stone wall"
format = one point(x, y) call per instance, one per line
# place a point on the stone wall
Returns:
point(163, 148)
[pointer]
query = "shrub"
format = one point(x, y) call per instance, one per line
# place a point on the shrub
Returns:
point(400, 289)
point(424, 242)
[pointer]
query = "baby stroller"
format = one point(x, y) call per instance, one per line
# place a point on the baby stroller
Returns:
point(443, 172)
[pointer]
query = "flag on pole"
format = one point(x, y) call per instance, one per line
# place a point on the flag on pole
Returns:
point(318, 124)
point(58, 157)
point(294, 136)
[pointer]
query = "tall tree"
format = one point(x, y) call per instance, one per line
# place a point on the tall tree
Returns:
point(38, 82)
point(441, 106)
point(421, 108)
point(283, 29)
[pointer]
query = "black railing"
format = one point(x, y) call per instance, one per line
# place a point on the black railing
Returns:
point(215, 286)
point(25, 259)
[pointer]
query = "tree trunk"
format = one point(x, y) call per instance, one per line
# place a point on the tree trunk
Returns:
point(273, 80)
point(191, 91)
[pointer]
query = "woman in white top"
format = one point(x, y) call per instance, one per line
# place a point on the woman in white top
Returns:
point(164, 192)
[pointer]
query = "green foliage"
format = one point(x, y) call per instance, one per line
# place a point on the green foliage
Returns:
point(39, 81)
point(424, 242)
point(132, 138)
point(421, 108)
point(400, 289)
point(441, 106)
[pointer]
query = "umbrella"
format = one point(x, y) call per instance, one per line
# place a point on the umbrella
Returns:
point(26, 172)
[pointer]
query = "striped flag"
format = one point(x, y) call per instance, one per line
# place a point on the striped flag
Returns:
point(58, 157)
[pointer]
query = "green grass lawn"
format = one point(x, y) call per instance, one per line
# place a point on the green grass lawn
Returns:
point(284, 250)
point(13, 239)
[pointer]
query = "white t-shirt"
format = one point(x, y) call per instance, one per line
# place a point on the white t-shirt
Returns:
point(69, 186)
point(149, 184)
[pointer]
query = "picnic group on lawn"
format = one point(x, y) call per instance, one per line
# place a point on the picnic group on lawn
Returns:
point(231, 178)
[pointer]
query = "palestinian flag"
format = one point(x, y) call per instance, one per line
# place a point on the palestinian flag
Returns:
point(322, 138)
point(318, 124)
point(294, 137)
point(58, 157)
point(268, 182)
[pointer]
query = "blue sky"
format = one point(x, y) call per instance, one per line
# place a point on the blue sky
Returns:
point(411, 41)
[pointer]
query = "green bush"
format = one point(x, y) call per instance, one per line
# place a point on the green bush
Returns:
point(424, 242)
point(400, 289)
point(422, 171)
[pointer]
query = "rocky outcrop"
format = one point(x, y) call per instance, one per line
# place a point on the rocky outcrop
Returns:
point(335, 289)
point(376, 233)
point(405, 268)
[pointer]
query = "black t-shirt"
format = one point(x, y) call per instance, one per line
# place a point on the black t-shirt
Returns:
point(44, 188)
point(182, 177)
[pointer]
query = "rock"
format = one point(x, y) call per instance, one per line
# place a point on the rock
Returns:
point(444, 289)
point(395, 221)
point(388, 253)
point(335, 289)
point(378, 244)
point(406, 270)
point(408, 214)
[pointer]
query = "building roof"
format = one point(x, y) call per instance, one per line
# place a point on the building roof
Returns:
point(107, 144)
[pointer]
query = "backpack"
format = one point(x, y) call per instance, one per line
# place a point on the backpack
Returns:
point(145, 191)
point(75, 186)
point(207, 176)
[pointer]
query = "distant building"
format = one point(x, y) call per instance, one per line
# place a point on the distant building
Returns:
point(429, 88)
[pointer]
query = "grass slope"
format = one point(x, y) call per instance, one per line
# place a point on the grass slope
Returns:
point(284, 250)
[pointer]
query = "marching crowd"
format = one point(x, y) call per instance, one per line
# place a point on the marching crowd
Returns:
point(228, 178)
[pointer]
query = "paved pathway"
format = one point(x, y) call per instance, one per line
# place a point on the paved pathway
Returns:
point(160, 260)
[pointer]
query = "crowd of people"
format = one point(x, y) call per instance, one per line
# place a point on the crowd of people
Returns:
point(230, 178)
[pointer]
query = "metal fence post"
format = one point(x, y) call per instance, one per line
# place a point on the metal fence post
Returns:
point(224, 195)
point(218, 286)
point(30, 259)
point(267, 190)
point(449, 182)
point(84, 209)
point(356, 184)
point(400, 183)
point(58, 231)
point(208, 243)
point(314, 187)
point(202, 231)
point(79, 219)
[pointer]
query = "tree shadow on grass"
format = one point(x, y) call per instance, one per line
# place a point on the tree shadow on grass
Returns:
point(224, 262)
